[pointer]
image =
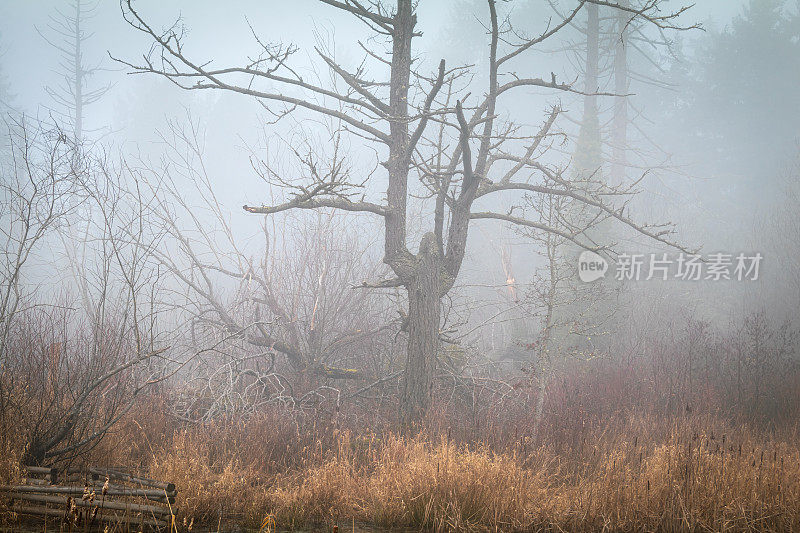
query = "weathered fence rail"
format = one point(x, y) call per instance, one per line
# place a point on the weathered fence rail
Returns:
point(113, 490)
point(129, 499)
point(113, 474)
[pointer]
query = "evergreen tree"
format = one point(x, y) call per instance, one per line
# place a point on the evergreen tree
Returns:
point(738, 111)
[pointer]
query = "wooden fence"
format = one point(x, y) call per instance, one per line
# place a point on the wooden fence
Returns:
point(92, 497)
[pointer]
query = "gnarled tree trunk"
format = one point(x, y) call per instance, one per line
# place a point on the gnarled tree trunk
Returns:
point(424, 312)
point(362, 110)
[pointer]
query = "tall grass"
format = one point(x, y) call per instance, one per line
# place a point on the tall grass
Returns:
point(641, 473)
point(700, 438)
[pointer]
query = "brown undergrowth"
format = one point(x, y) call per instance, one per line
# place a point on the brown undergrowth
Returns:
point(695, 474)
point(645, 444)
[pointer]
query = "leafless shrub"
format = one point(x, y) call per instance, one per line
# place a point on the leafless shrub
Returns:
point(279, 320)
point(69, 372)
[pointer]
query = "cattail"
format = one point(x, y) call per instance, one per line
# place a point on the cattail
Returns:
point(105, 486)
point(68, 508)
point(86, 493)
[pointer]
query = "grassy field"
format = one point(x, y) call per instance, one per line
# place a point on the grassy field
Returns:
point(620, 448)
point(635, 474)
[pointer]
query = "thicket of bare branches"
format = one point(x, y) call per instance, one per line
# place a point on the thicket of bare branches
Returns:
point(276, 319)
point(76, 352)
point(159, 282)
point(435, 135)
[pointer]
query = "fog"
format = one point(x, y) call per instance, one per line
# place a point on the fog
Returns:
point(425, 248)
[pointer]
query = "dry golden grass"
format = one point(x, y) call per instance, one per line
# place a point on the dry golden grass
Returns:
point(589, 470)
point(694, 476)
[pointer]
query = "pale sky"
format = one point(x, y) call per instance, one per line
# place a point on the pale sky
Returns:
point(28, 62)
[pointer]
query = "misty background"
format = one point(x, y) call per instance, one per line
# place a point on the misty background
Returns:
point(712, 144)
point(315, 262)
point(716, 116)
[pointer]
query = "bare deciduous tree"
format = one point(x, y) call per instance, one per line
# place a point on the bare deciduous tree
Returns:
point(34, 198)
point(272, 320)
point(429, 126)
point(67, 376)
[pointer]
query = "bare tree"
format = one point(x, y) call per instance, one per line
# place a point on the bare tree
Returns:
point(272, 321)
point(68, 37)
point(601, 57)
point(389, 101)
point(619, 128)
point(612, 39)
point(34, 199)
point(570, 312)
point(67, 375)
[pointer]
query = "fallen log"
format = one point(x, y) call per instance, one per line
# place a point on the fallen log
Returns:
point(155, 495)
point(74, 478)
point(104, 517)
point(111, 505)
point(114, 474)
point(40, 469)
point(50, 474)
point(99, 483)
